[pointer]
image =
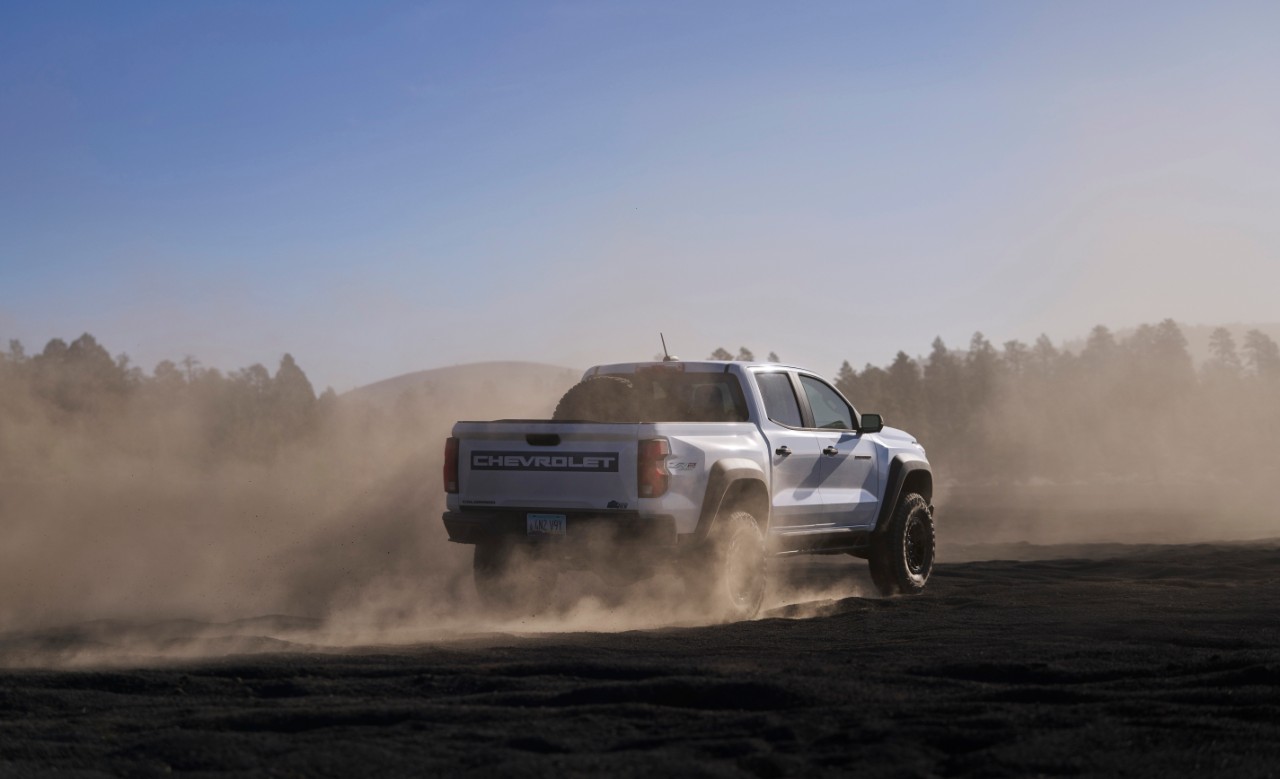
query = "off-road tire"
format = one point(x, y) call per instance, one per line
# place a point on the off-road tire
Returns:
point(598, 399)
point(506, 583)
point(728, 572)
point(902, 552)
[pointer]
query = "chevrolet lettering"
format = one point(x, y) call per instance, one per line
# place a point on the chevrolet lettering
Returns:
point(605, 462)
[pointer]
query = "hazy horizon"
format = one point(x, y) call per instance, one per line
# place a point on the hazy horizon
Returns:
point(380, 189)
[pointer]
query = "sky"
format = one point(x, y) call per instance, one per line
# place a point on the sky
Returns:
point(379, 188)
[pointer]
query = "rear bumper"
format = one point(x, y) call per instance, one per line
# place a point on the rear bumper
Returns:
point(475, 526)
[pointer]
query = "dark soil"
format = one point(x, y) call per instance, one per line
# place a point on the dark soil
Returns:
point(1156, 661)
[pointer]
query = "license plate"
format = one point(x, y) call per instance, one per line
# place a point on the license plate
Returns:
point(546, 524)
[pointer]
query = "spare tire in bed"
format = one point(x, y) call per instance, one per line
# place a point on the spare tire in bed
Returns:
point(598, 399)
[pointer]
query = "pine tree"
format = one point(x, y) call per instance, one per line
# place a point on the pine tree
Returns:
point(1044, 356)
point(870, 393)
point(982, 365)
point(1262, 355)
point(293, 399)
point(904, 392)
point(1223, 361)
point(17, 354)
point(1172, 356)
point(1101, 348)
point(847, 380)
point(1016, 356)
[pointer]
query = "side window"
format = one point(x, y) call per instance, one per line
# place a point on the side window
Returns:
point(829, 409)
point(779, 398)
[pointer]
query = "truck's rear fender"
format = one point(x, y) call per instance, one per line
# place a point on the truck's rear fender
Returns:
point(906, 475)
point(734, 484)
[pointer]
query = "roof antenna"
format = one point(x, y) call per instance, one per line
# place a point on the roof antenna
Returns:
point(666, 356)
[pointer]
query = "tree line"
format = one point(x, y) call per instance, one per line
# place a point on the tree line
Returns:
point(243, 413)
point(1120, 408)
point(1116, 408)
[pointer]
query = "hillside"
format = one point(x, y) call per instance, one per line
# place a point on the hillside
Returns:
point(483, 389)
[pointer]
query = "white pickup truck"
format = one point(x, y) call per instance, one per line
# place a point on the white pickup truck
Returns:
point(715, 466)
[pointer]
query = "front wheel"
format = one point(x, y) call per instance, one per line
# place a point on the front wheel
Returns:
point(901, 554)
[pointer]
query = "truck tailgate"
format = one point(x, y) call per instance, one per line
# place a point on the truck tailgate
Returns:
point(565, 465)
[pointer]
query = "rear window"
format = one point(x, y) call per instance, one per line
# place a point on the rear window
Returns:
point(676, 396)
point(779, 398)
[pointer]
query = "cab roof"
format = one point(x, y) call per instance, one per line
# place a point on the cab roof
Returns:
point(686, 366)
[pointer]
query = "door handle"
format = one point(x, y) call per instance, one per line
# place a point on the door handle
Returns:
point(831, 451)
point(782, 451)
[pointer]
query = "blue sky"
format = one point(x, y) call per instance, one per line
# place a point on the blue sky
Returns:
point(386, 187)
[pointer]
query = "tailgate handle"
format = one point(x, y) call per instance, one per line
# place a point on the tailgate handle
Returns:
point(542, 439)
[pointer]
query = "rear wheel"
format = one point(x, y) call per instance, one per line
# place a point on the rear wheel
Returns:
point(728, 573)
point(510, 578)
point(901, 554)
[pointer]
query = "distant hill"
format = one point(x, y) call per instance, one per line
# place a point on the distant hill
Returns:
point(476, 390)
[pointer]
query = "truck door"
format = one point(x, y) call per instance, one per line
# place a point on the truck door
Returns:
point(795, 454)
point(848, 480)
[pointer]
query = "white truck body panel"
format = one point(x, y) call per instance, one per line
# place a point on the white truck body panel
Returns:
point(818, 480)
point(693, 445)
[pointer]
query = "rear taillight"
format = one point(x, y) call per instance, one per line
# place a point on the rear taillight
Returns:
point(451, 465)
point(651, 467)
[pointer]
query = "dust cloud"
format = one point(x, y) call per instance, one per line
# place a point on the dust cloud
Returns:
point(124, 538)
point(1124, 438)
point(122, 518)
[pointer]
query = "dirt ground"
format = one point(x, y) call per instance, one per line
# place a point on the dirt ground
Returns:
point(1090, 661)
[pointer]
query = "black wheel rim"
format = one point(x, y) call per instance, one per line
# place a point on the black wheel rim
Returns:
point(916, 551)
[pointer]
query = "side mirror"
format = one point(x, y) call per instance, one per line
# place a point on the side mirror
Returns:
point(871, 423)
